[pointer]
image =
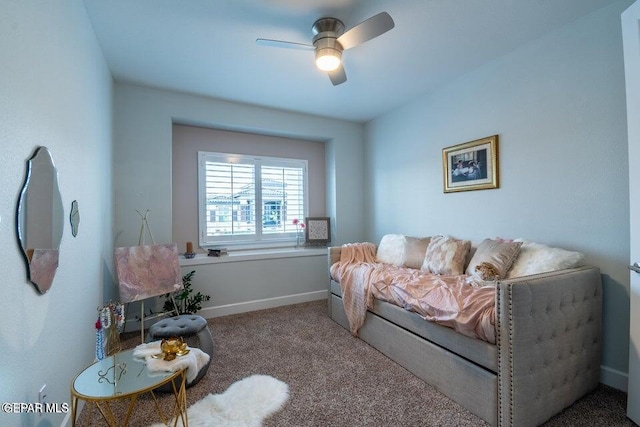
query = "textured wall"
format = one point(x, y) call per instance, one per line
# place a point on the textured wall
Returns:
point(56, 91)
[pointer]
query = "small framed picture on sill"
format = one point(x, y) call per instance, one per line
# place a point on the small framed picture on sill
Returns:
point(318, 230)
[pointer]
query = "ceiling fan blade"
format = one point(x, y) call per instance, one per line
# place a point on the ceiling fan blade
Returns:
point(283, 44)
point(367, 30)
point(338, 76)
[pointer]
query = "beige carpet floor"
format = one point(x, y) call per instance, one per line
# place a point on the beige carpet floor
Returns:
point(338, 380)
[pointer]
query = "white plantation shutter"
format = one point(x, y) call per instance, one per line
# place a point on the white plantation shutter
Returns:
point(246, 200)
point(230, 198)
point(282, 197)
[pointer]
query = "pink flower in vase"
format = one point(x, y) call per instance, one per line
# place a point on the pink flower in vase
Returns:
point(299, 226)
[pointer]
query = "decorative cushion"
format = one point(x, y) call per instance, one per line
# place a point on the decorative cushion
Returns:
point(402, 251)
point(415, 250)
point(535, 258)
point(178, 326)
point(446, 255)
point(391, 249)
point(499, 253)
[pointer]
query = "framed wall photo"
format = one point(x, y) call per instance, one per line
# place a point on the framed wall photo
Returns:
point(471, 166)
point(318, 230)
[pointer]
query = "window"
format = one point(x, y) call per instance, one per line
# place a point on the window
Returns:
point(237, 190)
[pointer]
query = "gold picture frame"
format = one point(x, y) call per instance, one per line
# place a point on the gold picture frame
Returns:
point(471, 166)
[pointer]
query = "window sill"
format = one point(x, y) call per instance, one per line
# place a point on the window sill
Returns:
point(253, 255)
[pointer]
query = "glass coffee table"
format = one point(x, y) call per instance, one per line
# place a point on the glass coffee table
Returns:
point(121, 376)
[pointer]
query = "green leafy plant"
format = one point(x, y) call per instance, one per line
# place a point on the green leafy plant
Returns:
point(186, 300)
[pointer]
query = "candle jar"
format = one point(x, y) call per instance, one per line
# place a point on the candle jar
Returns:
point(189, 253)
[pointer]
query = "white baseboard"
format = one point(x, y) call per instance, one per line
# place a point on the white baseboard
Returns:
point(67, 419)
point(133, 324)
point(261, 304)
point(614, 378)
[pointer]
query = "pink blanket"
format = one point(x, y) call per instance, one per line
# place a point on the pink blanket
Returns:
point(447, 300)
point(358, 260)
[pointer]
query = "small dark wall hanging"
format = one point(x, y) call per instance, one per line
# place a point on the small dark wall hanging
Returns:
point(74, 218)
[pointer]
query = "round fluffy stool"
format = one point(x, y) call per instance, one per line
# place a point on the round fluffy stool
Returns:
point(194, 331)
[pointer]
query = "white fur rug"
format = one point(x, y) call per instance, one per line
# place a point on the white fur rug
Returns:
point(244, 404)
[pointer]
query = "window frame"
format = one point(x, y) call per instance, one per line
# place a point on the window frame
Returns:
point(257, 240)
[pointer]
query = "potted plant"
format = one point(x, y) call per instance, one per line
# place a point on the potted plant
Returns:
point(186, 301)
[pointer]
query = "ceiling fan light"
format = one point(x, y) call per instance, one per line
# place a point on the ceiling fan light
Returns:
point(328, 59)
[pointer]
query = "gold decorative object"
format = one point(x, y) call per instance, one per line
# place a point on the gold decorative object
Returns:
point(172, 347)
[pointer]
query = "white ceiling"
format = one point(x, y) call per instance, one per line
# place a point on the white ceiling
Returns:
point(208, 47)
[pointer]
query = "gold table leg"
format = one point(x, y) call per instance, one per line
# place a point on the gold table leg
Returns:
point(180, 407)
point(179, 410)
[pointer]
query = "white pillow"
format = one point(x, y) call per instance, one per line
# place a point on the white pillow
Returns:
point(402, 251)
point(537, 258)
point(391, 249)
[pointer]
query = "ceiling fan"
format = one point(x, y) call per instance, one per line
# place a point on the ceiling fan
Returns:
point(330, 40)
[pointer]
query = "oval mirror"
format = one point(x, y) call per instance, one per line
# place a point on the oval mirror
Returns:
point(40, 219)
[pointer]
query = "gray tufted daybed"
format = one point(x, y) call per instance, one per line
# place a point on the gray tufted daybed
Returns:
point(546, 356)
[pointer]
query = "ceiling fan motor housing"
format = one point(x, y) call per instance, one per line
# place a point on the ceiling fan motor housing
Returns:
point(330, 40)
point(326, 31)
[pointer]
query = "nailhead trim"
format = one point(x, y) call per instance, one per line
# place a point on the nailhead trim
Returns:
point(510, 299)
point(499, 346)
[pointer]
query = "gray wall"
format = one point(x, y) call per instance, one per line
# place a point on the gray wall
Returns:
point(55, 91)
point(558, 105)
point(143, 180)
point(188, 140)
point(142, 156)
point(256, 284)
